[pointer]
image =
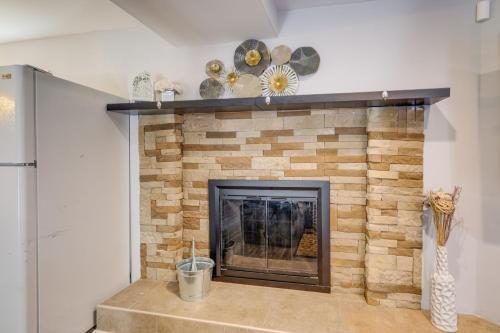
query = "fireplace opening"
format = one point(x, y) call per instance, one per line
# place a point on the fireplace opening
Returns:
point(272, 233)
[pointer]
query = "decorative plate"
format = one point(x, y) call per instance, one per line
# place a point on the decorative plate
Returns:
point(281, 54)
point(247, 85)
point(251, 57)
point(211, 88)
point(305, 60)
point(280, 80)
point(214, 68)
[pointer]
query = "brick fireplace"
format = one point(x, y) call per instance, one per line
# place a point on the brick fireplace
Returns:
point(372, 158)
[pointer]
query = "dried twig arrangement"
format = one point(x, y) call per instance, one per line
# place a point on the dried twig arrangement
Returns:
point(443, 207)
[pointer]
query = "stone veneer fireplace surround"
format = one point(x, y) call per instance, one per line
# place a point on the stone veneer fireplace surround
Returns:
point(372, 158)
point(278, 232)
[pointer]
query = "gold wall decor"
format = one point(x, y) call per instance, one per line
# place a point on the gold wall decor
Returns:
point(231, 78)
point(279, 80)
point(214, 68)
point(253, 75)
point(252, 57)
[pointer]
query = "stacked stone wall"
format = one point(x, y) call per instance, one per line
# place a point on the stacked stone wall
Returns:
point(372, 159)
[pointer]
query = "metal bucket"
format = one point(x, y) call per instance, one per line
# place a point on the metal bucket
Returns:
point(194, 286)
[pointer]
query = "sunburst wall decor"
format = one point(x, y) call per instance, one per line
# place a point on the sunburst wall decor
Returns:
point(279, 80)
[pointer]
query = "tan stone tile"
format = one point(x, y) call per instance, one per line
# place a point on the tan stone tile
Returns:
point(267, 139)
point(307, 159)
point(113, 320)
point(299, 152)
point(201, 147)
point(227, 134)
point(350, 130)
point(297, 138)
point(328, 138)
point(294, 113)
point(178, 325)
point(312, 121)
point(271, 133)
point(270, 163)
point(314, 131)
point(346, 144)
point(271, 153)
point(235, 162)
point(287, 146)
point(268, 124)
point(345, 173)
point(234, 115)
point(304, 173)
point(255, 147)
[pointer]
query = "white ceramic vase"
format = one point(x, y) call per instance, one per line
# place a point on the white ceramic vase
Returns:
point(443, 307)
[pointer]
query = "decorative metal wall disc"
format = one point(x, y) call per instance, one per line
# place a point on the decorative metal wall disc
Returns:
point(281, 54)
point(279, 80)
point(231, 78)
point(211, 88)
point(251, 57)
point(214, 68)
point(305, 60)
point(248, 85)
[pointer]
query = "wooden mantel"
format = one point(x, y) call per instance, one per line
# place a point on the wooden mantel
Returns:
point(416, 97)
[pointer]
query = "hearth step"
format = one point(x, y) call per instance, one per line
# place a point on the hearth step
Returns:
point(154, 307)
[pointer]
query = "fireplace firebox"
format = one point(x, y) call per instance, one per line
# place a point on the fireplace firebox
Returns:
point(273, 233)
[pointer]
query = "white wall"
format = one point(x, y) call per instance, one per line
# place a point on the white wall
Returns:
point(384, 44)
point(488, 269)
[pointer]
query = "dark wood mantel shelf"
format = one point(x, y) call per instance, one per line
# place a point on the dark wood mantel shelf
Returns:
point(417, 97)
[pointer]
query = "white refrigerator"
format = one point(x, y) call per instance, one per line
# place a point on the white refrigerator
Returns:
point(64, 202)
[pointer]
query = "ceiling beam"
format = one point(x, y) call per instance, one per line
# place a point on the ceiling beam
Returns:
point(194, 22)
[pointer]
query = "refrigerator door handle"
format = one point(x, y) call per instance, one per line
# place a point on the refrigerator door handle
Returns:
point(30, 164)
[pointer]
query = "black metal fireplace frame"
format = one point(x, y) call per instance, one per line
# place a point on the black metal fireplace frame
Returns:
point(322, 283)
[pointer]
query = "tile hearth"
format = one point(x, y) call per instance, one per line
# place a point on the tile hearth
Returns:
point(154, 307)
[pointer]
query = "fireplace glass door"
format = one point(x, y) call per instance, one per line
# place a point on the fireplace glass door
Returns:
point(269, 234)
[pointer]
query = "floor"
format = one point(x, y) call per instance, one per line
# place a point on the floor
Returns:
point(154, 307)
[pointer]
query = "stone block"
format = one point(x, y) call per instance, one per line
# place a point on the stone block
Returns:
point(382, 174)
point(352, 131)
point(269, 124)
point(297, 138)
point(417, 268)
point(270, 163)
point(404, 263)
point(382, 219)
point(315, 131)
point(221, 134)
point(346, 118)
point(303, 166)
point(346, 145)
point(294, 113)
point(389, 243)
point(234, 115)
point(260, 140)
point(312, 121)
point(377, 249)
point(228, 163)
point(272, 133)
